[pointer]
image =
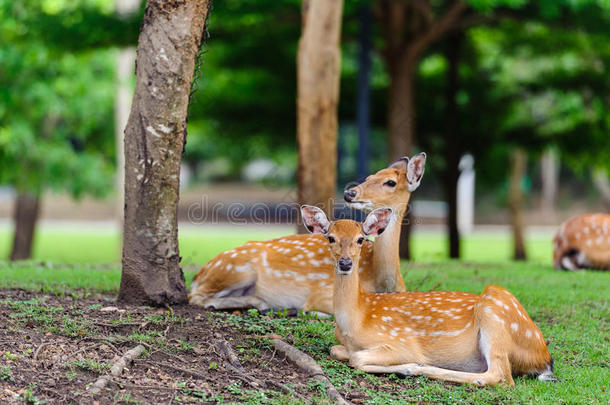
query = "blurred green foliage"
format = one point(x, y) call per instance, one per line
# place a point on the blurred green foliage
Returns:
point(56, 109)
point(533, 74)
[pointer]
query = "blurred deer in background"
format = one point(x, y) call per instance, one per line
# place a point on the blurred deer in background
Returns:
point(454, 336)
point(583, 242)
point(296, 271)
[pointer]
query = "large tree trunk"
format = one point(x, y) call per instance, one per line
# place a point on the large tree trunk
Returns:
point(515, 202)
point(25, 216)
point(452, 146)
point(154, 142)
point(319, 68)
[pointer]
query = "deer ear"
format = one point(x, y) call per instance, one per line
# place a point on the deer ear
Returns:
point(415, 170)
point(315, 219)
point(400, 164)
point(376, 222)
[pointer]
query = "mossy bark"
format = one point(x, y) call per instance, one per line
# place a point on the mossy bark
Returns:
point(154, 142)
point(319, 69)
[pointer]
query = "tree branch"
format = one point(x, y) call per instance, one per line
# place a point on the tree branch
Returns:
point(445, 23)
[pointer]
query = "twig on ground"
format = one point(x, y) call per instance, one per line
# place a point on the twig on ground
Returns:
point(186, 371)
point(142, 387)
point(117, 369)
point(106, 342)
point(309, 365)
point(42, 346)
point(85, 349)
point(228, 352)
point(117, 325)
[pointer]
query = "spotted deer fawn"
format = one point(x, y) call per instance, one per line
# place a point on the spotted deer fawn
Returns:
point(583, 242)
point(296, 271)
point(453, 336)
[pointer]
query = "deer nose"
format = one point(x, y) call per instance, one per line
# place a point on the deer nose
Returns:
point(349, 195)
point(345, 264)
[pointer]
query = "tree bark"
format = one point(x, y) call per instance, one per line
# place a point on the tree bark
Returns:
point(409, 29)
point(515, 201)
point(318, 75)
point(25, 216)
point(401, 128)
point(452, 146)
point(364, 92)
point(154, 142)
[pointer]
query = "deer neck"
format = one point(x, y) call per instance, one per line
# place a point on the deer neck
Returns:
point(346, 302)
point(386, 258)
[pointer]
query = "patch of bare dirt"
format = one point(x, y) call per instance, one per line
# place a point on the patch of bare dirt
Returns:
point(52, 349)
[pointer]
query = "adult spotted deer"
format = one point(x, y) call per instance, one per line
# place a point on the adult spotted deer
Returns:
point(296, 271)
point(454, 336)
point(583, 242)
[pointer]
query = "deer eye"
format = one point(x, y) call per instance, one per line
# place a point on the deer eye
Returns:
point(331, 239)
point(360, 240)
point(390, 183)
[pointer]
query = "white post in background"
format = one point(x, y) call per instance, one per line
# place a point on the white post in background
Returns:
point(465, 195)
point(125, 72)
point(602, 184)
point(549, 175)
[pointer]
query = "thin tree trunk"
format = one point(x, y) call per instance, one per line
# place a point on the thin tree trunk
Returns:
point(452, 147)
point(25, 216)
point(319, 68)
point(364, 92)
point(414, 21)
point(154, 142)
point(518, 168)
point(124, 93)
point(401, 128)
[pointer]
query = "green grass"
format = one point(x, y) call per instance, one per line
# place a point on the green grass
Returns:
point(570, 308)
point(197, 246)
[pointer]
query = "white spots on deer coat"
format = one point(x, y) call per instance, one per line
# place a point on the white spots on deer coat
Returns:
point(386, 318)
point(589, 243)
point(528, 333)
point(317, 276)
point(243, 268)
point(497, 318)
point(514, 326)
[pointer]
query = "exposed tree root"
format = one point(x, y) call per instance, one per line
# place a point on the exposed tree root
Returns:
point(309, 365)
point(117, 369)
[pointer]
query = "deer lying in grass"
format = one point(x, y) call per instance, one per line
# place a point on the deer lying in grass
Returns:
point(296, 271)
point(454, 336)
point(583, 242)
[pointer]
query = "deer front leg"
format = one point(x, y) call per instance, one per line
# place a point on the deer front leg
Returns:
point(320, 301)
point(378, 356)
point(248, 301)
point(339, 352)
